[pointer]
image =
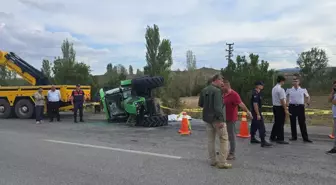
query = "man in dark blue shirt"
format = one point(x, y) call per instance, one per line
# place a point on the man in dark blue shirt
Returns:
point(258, 120)
point(77, 101)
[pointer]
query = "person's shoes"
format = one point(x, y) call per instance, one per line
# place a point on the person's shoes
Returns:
point(37, 122)
point(272, 139)
point(332, 151)
point(51, 120)
point(266, 144)
point(81, 120)
point(231, 157)
point(75, 121)
point(213, 163)
point(224, 166)
point(293, 139)
point(307, 141)
point(283, 142)
point(254, 141)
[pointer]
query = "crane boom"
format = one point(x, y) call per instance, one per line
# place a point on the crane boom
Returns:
point(29, 73)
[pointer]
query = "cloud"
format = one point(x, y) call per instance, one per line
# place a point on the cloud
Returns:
point(113, 31)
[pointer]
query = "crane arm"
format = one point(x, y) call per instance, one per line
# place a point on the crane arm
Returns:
point(29, 73)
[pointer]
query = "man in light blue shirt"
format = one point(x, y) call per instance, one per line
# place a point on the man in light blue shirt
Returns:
point(54, 98)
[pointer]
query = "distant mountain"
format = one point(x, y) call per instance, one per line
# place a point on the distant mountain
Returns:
point(290, 70)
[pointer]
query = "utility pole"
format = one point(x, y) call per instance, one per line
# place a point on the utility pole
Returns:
point(228, 57)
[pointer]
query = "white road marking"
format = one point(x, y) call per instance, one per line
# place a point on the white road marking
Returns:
point(115, 149)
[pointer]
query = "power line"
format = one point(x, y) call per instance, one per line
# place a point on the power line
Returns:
point(230, 50)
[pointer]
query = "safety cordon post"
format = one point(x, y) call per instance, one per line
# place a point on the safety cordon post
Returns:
point(184, 130)
point(244, 130)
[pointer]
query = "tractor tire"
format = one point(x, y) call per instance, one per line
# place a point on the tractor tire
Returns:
point(147, 82)
point(24, 109)
point(155, 121)
point(5, 109)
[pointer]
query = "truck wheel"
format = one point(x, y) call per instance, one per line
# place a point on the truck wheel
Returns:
point(5, 109)
point(155, 121)
point(148, 82)
point(24, 109)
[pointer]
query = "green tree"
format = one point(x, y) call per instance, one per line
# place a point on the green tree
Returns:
point(191, 67)
point(109, 68)
point(138, 73)
point(115, 74)
point(67, 70)
point(122, 72)
point(159, 62)
point(3, 76)
point(243, 74)
point(190, 60)
point(112, 76)
point(313, 64)
point(46, 68)
point(130, 69)
point(158, 55)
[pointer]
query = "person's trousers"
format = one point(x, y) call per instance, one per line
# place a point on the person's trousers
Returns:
point(78, 106)
point(258, 125)
point(39, 110)
point(335, 133)
point(277, 133)
point(298, 111)
point(53, 110)
point(231, 129)
point(222, 134)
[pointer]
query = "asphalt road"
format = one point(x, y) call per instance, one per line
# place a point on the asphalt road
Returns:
point(96, 153)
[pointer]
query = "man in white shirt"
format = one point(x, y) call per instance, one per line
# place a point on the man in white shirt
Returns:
point(54, 98)
point(296, 105)
point(332, 99)
point(279, 111)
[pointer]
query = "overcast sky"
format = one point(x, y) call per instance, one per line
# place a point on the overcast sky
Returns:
point(113, 31)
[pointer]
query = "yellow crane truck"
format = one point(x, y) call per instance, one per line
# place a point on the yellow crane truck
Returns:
point(18, 101)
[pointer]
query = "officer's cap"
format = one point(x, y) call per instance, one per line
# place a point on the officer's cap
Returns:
point(78, 85)
point(259, 83)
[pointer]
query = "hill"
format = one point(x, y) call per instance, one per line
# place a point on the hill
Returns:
point(204, 72)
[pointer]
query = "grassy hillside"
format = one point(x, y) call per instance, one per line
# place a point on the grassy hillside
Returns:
point(206, 72)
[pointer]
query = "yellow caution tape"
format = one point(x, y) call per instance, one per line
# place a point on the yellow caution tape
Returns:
point(268, 106)
point(197, 110)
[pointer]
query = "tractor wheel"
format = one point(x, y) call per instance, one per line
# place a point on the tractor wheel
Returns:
point(5, 109)
point(155, 121)
point(24, 109)
point(148, 82)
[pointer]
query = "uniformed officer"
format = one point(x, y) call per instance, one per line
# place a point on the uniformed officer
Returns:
point(296, 105)
point(280, 111)
point(258, 120)
point(77, 101)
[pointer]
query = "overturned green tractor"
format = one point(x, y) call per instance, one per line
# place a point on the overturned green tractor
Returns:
point(134, 103)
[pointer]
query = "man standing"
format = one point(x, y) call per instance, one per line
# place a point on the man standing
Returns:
point(296, 105)
point(280, 111)
point(77, 100)
point(213, 114)
point(54, 98)
point(332, 99)
point(39, 105)
point(258, 120)
point(231, 101)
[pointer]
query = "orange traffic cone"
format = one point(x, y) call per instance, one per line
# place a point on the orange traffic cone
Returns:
point(244, 130)
point(184, 130)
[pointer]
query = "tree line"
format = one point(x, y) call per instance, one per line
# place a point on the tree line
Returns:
point(242, 71)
